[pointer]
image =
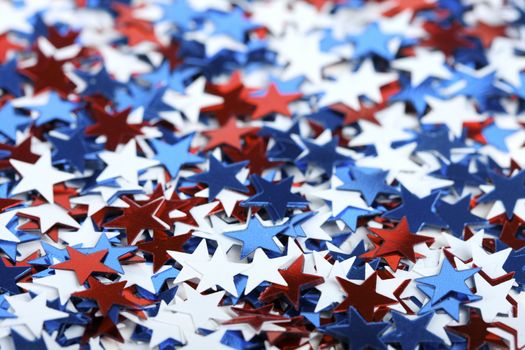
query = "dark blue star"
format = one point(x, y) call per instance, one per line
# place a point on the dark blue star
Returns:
point(325, 156)
point(438, 142)
point(358, 333)
point(370, 182)
point(350, 216)
point(516, 263)
point(508, 190)
point(72, 150)
point(372, 41)
point(173, 157)
point(418, 211)
point(457, 215)
point(9, 277)
point(10, 80)
point(480, 88)
point(100, 83)
point(460, 174)
point(274, 197)
point(255, 235)
point(21, 342)
point(409, 334)
point(220, 176)
point(285, 148)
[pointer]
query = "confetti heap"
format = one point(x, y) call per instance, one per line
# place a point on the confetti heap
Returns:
point(287, 174)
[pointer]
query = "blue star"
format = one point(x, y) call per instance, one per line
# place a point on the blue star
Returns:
point(460, 174)
point(350, 216)
point(409, 334)
point(289, 86)
point(73, 150)
point(516, 263)
point(457, 215)
point(10, 80)
point(11, 121)
point(149, 99)
point(220, 176)
point(233, 24)
point(370, 182)
point(324, 156)
point(508, 190)
point(418, 211)
point(496, 136)
point(480, 88)
point(52, 255)
point(21, 342)
point(9, 276)
point(100, 83)
point(255, 235)
point(451, 305)
point(438, 142)
point(173, 157)
point(275, 198)
point(285, 147)
point(294, 228)
point(448, 281)
point(415, 95)
point(372, 41)
point(55, 109)
point(114, 253)
point(178, 13)
point(358, 333)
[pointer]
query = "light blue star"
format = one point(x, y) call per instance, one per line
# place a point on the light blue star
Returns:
point(11, 121)
point(255, 235)
point(173, 157)
point(55, 109)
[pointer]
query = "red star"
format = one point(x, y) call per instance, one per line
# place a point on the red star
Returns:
point(101, 326)
point(59, 39)
point(84, 264)
point(138, 32)
point(509, 233)
point(476, 332)
point(255, 152)
point(136, 218)
point(363, 297)
point(445, 39)
point(47, 74)
point(296, 280)
point(352, 116)
point(272, 102)
point(6, 46)
point(229, 134)
point(486, 33)
point(106, 295)
point(159, 246)
point(412, 5)
point(114, 126)
point(255, 317)
point(235, 96)
point(171, 54)
point(392, 245)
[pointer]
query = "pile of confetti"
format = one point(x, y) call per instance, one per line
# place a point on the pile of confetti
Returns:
point(252, 174)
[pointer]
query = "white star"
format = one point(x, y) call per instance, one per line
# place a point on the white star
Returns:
point(452, 112)
point(86, 236)
point(330, 289)
point(218, 271)
point(40, 176)
point(139, 274)
point(463, 249)
point(193, 99)
point(31, 313)
point(63, 281)
point(202, 308)
point(494, 298)
point(124, 163)
point(394, 161)
point(263, 269)
point(516, 323)
point(423, 65)
point(348, 87)
point(491, 264)
point(200, 254)
point(378, 135)
point(50, 214)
